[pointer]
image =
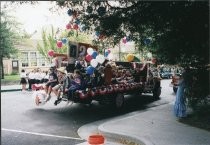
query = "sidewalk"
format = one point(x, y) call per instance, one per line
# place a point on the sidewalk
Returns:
point(8, 88)
point(155, 126)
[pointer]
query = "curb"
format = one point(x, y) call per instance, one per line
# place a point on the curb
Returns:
point(11, 90)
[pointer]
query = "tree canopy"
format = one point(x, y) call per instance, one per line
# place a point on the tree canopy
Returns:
point(178, 30)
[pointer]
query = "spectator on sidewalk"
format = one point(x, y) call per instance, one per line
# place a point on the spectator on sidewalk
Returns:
point(23, 80)
point(180, 102)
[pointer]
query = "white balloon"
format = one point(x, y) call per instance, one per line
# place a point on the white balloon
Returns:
point(110, 56)
point(90, 51)
point(100, 58)
point(149, 55)
point(94, 63)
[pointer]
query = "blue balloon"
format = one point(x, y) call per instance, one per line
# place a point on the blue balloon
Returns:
point(106, 53)
point(69, 12)
point(90, 70)
point(147, 41)
point(97, 33)
point(94, 54)
point(77, 21)
point(64, 40)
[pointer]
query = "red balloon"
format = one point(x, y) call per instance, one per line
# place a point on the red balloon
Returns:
point(68, 26)
point(154, 60)
point(59, 44)
point(50, 52)
point(76, 26)
point(124, 40)
point(88, 58)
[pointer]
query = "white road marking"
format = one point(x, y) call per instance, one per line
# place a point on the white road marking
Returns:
point(40, 134)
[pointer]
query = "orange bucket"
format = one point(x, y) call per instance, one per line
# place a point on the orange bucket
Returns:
point(96, 139)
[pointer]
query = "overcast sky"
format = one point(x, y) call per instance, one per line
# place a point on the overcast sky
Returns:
point(34, 17)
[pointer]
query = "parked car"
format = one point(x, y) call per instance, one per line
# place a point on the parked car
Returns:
point(166, 75)
point(175, 81)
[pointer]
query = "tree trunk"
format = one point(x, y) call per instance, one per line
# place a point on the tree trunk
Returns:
point(2, 68)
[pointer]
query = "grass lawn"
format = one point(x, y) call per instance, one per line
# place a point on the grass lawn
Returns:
point(11, 78)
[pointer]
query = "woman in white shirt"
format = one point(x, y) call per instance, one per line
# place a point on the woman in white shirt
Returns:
point(23, 79)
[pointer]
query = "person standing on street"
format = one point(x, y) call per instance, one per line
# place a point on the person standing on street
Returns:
point(23, 80)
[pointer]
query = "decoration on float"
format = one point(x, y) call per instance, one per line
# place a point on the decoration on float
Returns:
point(88, 58)
point(93, 63)
point(77, 21)
point(59, 44)
point(82, 50)
point(70, 12)
point(97, 33)
point(149, 55)
point(75, 26)
point(100, 59)
point(64, 40)
point(101, 11)
point(90, 70)
point(110, 56)
point(51, 53)
point(90, 51)
point(154, 60)
point(68, 26)
point(94, 54)
point(89, 9)
point(130, 57)
point(124, 40)
point(147, 41)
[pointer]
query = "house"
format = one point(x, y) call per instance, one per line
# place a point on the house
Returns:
point(27, 58)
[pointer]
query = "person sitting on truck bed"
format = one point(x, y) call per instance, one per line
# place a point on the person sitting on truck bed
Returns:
point(76, 83)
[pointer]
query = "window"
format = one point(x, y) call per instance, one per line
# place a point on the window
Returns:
point(33, 58)
point(24, 59)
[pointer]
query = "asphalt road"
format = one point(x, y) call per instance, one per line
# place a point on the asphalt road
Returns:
point(23, 123)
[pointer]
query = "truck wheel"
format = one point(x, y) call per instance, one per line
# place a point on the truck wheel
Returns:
point(119, 101)
point(156, 93)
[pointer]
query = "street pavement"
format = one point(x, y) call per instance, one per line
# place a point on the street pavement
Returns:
point(154, 126)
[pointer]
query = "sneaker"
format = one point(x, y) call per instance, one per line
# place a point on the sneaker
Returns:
point(57, 101)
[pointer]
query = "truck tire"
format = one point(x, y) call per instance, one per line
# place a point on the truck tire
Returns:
point(119, 100)
point(156, 93)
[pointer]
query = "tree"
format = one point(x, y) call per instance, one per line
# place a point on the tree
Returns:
point(178, 33)
point(9, 37)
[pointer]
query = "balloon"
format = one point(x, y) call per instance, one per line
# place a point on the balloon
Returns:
point(64, 40)
point(130, 57)
point(147, 41)
point(82, 27)
point(69, 12)
point(110, 56)
point(97, 33)
point(77, 21)
point(75, 26)
point(89, 9)
point(106, 53)
point(90, 51)
point(59, 44)
point(101, 11)
point(68, 26)
point(100, 59)
point(94, 63)
point(51, 53)
point(88, 58)
point(149, 55)
point(154, 60)
point(90, 70)
point(94, 54)
point(124, 40)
